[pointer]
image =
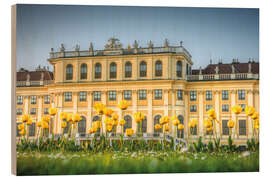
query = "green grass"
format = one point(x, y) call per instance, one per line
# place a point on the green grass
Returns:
point(68, 163)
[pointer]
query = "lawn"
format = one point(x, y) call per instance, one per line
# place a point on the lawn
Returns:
point(67, 163)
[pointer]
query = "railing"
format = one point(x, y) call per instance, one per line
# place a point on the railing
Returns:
point(213, 77)
point(33, 83)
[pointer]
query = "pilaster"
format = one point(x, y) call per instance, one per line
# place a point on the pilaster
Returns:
point(150, 126)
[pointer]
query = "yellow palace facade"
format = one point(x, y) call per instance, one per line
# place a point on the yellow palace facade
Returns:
point(157, 81)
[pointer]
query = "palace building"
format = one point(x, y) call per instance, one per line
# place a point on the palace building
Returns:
point(156, 81)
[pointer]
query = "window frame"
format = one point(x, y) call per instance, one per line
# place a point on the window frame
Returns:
point(33, 111)
point(225, 95)
point(19, 100)
point(97, 95)
point(98, 71)
point(19, 111)
point(158, 94)
point(225, 129)
point(47, 99)
point(241, 94)
point(127, 94)
point(143, 73)
point(82, 96)
point(67, 96)
point(193, 108)
point(193, 95)
point(33, 99)
point(225, 108)
point(113, 70)
point(242, 130)
point(83, 72)
point(208, 96)
point(128, 72)
point(179, 94)
point(142, 94)
point(112, 95)
point(179, 69)
point(158, 68)
point(69, 72)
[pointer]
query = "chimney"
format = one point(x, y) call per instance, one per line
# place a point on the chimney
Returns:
point(249, 67)
point(200, 70)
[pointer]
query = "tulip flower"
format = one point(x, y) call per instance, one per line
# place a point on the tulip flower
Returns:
point(209, 129)
point(181, 126)
point(25, 117)
point(192, 123)
point(123, 105)
point(129, 132)
point(52, 111)
point(109, 128)
point(39, 124)
point(45, 118)
point(115, 116)
point(207, 123)
point(99, 108)
point(20, 126)
point(157, 127)
point(164, 120)
point(44, 125)
point(138, 116)
point(230, 124)
point(22, 132)
point(115, 122)
point(249, 110)
point(255, 115)
point(176, 122)
point(69, 117)
point(108, 112)
point(108, 121)
point(63, 124)
point(237, 109)
point(211, 113)
point(29, 122)
point(122, 122)
point(63, 116)
point(166, 128)
point(76, 117)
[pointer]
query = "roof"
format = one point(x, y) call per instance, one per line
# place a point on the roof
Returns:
point(227, 68)
point(34, 75)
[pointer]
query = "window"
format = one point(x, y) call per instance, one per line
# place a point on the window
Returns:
point(127, 94)
point(208, 96)
point(243, 107)
point(208, 106)
point(46, 111)
point(241, 95)
point(158, 94)
point(225, 107)
point(225, 95)
point(33, 111)
point(84, 71)
point(225, 129)
point(17, 130)
point(193, 95)
point(179, 69)
point(143, 69)
point(142, 94)
point(242, 127)
point(180, 133)
point(33, 99)
point(144, 125)
point(68, 96)
point(82, 126)
point(32, 129)
point(189, 70)
point(83, 96)
point(47, 99)
point(128, 123)
point(158, 68)
point(113, 70)
point(128, 69)
point(193, 108)
point(97, 96)
point(69, 72)
point(112, 95)
point(97, 71)
point(19, 99)
point(156, 121)
point(179, 95)
point(19, 111)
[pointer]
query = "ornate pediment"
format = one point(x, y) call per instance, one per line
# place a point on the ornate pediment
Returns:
point(113, 43)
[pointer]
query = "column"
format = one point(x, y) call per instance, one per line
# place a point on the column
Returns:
point(89, 112)
point(166, 108)
point(233, 102)
point(249, 120)
point(217, 108)
point(201, 110)
point(26, 104)
point(39, 107)
point(186, 119)
point(103, 101)
point(75, 102)
point(135, 106)
point(60, 109)
point(150, 127)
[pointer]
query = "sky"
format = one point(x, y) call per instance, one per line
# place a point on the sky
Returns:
point(207, 33)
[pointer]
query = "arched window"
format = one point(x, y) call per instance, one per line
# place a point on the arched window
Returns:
point(96, 118)
point(113, 70)
point(158, 68)
point(180, 133)
point(82, 126)
point(83, 71)
point(128, 123)
point(144, 125)
point(143, 69)
point(97, 71)
point(179, 69)
point(156, 121)
point(69, 72)
point(128, 69)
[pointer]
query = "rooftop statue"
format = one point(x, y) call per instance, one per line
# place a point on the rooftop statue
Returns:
point(113, 43)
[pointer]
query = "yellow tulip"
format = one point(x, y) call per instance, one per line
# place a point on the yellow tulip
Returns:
point(97, 124)
point(39, 124)
point(22, 132)
point(108, 112)
point(129, 132)
point(52, 111)
point(29, 122)
point(63, 124)
point(25, 117)
point(211, 113)
point(99, 108)
point(181, 126)
point(115, 116)
point(138, 116)
point(255, 115)
point(207, 123)
point(44, 125)
point(237, 109)
point(230, 124)
point(174, 117)
point(175, 122)
point(123, 105)
point(192, 123)
point(115, 122)
point(166, 127)
point(45, 118)
point(249, 110)
point(63, 116)
point(69, 117)
point(20, 126)
point(109, 128)
point(209, 129)
point(92, 130)
point(164, 120)
point(157, 127)
point(108, 121)
point(76, 117)
point(122, 122)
